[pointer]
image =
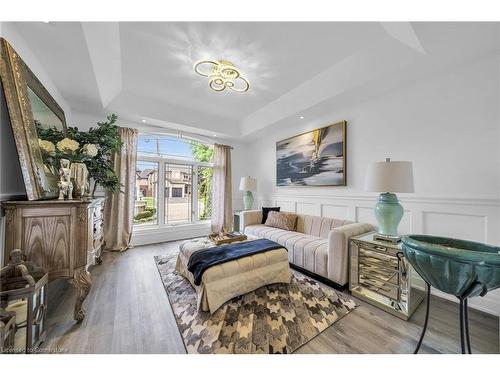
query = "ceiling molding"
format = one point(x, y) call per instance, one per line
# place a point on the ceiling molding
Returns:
point(103, 44)
point(404, 32)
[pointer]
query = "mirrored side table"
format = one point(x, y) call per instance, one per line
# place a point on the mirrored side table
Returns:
point(382, 276)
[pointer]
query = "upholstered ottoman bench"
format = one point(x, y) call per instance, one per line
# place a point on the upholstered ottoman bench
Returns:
point(222, 282)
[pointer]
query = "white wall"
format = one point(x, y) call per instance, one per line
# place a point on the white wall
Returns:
point(448, 125)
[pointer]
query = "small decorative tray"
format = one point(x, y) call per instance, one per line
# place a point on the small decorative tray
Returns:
point(226, 237)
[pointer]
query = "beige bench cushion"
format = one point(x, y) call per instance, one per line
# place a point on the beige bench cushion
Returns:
point(224, 281)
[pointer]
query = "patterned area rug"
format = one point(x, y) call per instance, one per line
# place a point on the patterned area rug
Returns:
point(277, 318)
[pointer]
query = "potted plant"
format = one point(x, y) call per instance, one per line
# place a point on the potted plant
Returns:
point(89, 152)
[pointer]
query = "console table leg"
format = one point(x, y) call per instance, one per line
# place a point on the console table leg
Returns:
point(462, 326)
point(426, 319)
point(466, 323)
point(83, 283)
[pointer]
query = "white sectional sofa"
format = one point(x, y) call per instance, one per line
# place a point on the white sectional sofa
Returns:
point(319, 245)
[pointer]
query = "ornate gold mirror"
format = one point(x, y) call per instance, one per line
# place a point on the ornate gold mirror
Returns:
point(31, 107)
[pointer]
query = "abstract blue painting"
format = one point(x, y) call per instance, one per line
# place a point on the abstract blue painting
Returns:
point(315, 158)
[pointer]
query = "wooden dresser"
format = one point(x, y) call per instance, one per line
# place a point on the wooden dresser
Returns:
point(64, 236)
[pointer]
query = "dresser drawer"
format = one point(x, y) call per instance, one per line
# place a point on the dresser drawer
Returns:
point(386, 288)
point(382, 274)
point(379, 259)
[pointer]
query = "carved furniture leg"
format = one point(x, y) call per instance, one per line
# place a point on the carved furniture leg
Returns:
point(83, 283)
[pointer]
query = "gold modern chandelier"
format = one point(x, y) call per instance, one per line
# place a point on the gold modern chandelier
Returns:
point(222, 74)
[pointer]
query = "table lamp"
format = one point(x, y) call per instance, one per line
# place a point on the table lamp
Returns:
point(389, 177)
point(248, 184)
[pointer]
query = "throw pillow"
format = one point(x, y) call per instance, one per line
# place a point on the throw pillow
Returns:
point(265, 212)
point(282, 220)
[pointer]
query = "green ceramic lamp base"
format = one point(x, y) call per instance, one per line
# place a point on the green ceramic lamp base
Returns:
point(388, 213)
point(248, 200)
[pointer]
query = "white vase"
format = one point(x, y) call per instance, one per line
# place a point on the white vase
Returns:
point(79, 177)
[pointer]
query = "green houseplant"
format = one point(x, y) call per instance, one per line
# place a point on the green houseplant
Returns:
point(93, 147)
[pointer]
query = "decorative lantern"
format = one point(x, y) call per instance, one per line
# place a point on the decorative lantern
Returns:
point(7, 331)
point(23, 291)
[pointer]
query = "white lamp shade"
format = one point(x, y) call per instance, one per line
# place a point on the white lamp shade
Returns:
point(390, 177)
point(248, 184)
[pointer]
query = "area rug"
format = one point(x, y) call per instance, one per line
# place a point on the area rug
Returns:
point(277, 318)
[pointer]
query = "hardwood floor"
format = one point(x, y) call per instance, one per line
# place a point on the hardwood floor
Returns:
point(128, 312)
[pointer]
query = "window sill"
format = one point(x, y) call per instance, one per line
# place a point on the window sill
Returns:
point(149, 234)
point(153, 227)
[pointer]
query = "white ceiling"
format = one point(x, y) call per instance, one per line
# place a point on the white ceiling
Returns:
point(144, 70)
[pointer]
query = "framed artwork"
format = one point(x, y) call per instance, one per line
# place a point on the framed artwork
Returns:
point(31, 109)
point(314, 158)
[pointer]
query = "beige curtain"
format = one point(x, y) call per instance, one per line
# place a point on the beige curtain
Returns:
point(119, 207)
point(222, 200)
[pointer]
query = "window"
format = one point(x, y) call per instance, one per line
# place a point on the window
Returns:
point(146, 193)
point(182, 170)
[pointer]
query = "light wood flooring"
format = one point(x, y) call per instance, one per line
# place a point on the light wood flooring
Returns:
point(128, 312)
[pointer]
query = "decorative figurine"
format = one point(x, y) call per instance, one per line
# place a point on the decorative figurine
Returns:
point(65, 185)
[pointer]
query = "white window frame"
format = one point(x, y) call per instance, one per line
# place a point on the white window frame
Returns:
point(160, 209)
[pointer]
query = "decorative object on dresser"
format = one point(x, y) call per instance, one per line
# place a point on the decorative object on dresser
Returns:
point(80, 180)
point(314, 158)
point(23, 291)
point(248, 184)
point(319, 246)
point(63, 236)
point(65, 185)
point(31, 108)
point(381, 275)
point(462, 268)
point(389, 177)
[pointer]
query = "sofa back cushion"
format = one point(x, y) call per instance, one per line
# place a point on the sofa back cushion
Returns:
point(282, 220)
point(265, 212)
point(318, 226)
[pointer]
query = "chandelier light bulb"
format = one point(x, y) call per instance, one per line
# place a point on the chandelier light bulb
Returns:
point(222, 74)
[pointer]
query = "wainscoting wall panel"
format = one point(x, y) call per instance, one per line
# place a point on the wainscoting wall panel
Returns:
point(472, 227)
point(471, 219)
point(307, 208)
point(333, 210)
point(285, 205)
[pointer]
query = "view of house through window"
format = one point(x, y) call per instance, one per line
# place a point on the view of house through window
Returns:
point(173, 180)
point(178, 196)
point(146, 187)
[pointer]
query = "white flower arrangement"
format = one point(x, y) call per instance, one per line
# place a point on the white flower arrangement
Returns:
point(46, 146)
point(67, 145)
point(89, 149)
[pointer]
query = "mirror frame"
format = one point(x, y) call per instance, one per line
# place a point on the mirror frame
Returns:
point(16, 78)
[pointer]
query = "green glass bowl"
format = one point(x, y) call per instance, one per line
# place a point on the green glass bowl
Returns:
point(462, 268)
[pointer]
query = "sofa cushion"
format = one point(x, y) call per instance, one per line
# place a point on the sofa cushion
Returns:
point(282, 220)
point(265, 212)
point(306, 251)
point(318, 226)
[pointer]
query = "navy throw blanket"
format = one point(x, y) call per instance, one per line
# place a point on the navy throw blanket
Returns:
point(202, 260)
